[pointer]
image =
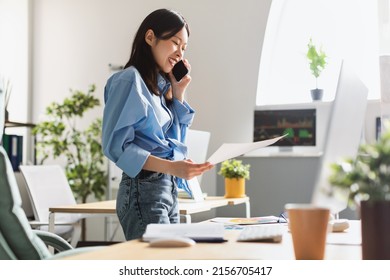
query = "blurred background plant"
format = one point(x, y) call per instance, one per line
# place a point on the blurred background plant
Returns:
point(366, 177)
point(86, 167)
point(317, 59)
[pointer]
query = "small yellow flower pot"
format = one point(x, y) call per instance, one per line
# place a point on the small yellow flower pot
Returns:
point(234, 187)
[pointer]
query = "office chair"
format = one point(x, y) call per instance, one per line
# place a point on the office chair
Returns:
point(47, 187)
point(17, 239)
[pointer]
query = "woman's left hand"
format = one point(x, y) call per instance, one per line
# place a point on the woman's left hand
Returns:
point(179, 88)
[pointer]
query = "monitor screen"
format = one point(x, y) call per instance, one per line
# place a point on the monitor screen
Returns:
point(298, 124)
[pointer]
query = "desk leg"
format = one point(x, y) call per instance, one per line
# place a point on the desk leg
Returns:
point(187, 218)
point(51, 221)
point(248, 209)
point(51, 228)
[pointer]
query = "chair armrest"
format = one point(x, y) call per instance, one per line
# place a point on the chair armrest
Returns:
point(35, 224)
point(53, 240)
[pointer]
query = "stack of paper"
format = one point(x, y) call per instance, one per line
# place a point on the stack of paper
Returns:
point(249, 221)
point(201, 232)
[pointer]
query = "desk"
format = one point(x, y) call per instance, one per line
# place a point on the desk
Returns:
point(186, 208)
point(231, 250)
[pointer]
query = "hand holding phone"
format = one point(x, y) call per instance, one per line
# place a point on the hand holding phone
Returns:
point(179, 70)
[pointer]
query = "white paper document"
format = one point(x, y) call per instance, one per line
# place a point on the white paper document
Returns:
point(231, 150)
point(197, 231)
point(248, 221)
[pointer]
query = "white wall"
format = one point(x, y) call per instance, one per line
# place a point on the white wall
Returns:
point(384, 26)
point(14, 64)
point(14, 54)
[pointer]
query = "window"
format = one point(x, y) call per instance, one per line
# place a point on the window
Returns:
point(345, 29)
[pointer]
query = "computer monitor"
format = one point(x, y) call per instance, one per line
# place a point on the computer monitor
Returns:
point(299, 126)
point(343, 137)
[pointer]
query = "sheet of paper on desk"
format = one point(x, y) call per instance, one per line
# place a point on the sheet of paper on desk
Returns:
point(230, 150)
point(247, 221)
point(197, 231)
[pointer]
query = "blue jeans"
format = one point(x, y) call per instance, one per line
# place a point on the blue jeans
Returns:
point(148, 198)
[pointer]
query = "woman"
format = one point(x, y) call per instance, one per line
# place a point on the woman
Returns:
point(145, 123)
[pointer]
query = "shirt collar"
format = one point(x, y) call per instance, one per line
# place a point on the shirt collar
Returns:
point(162, 83)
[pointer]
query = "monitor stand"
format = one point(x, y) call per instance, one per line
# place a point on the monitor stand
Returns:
point(286, 149)
point(283, 151)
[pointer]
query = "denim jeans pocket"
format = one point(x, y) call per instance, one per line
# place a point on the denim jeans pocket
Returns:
point(123, 197)
point(156, 199)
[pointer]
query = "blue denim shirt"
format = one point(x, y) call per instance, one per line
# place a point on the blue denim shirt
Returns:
point(136, 123)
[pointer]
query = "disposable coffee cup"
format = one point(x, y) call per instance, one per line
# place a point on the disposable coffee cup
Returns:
point(309, 227)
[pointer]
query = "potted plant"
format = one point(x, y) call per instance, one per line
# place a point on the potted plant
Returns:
point(367, 180)
point(317, 62)
point(59, 136)
point(235, 174)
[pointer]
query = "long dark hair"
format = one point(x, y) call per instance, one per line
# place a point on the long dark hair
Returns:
point(165, 24)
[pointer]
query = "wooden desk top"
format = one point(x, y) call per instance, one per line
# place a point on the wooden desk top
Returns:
point(137, 250)
point(100, 207)
point(185, 206)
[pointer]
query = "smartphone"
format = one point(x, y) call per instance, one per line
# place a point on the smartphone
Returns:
point(179, 70)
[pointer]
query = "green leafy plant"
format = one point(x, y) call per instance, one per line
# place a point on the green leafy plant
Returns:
point(234, 169)
point(59, 136)
point(366, 177)
point(317, 59)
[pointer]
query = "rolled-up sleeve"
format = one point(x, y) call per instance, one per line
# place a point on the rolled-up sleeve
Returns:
point(124, 111)
point(185, 114)
point(183, 117)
